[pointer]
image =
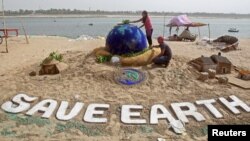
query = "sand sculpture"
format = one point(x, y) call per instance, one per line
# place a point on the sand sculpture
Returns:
point(216, 62)
point(52, 65)
point(127, 42)
point(244, 74)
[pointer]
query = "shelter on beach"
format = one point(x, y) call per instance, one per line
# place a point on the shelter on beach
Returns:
point(184, 21)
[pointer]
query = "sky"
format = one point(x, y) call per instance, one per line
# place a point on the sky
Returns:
point(209, 6)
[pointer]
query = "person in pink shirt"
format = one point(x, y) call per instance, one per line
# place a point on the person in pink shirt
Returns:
point(148, 26)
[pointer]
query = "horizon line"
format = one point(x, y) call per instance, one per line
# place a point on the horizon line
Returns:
point(132, 11)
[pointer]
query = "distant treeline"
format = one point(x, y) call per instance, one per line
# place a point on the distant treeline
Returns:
point(22, 12)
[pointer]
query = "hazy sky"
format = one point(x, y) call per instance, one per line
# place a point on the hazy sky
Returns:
point(211, 6)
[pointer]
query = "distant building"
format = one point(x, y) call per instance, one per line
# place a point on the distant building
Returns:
point(216, 62)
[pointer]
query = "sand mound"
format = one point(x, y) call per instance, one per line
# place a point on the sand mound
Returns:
point(89, 82)
point(139, 60)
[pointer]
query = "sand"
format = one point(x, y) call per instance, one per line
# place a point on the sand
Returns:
point(89, 82)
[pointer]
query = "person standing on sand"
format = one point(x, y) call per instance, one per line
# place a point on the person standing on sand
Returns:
point(166, 54)
point(148, 26)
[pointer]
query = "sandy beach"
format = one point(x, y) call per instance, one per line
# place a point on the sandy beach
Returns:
point(90, 82)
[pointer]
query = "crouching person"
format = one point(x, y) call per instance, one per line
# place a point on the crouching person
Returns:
point(166, 54)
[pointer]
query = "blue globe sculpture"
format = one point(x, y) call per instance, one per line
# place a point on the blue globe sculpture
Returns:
point(125, 39)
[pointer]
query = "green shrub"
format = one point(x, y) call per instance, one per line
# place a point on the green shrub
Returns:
point(125, 22)
point(103, 59)
point(53, 56)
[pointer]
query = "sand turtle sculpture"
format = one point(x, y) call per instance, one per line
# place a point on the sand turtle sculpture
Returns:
point(126, 45)
point(52, 65)
point(129, 43)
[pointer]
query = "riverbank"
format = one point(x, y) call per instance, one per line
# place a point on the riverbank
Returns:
point(124, 16)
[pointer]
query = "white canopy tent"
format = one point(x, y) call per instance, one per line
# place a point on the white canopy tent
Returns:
point(184, 21)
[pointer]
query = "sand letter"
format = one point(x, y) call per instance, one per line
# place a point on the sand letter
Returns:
point(208, 104)
point(192, 111)
point(164, 114)
point(61, 113)
point(47, 106)
point(236, 102)
point(92, 110)
point(18, 104)
point(126, 114)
